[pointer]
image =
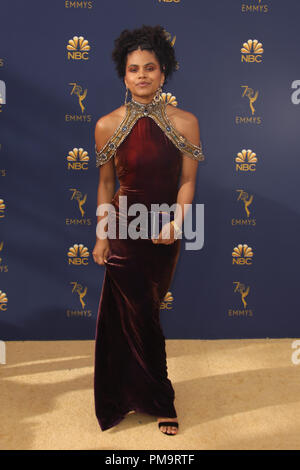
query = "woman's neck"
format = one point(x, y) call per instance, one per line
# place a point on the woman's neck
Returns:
point(142, 100)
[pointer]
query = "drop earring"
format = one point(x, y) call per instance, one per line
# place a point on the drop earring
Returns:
point(157, 96)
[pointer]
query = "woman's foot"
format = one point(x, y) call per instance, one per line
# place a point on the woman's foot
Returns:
point(168, 429)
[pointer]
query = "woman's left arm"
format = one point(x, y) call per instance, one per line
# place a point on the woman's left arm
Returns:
point(189, 128)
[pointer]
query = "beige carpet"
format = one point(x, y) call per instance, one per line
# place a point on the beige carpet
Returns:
point(230, 394)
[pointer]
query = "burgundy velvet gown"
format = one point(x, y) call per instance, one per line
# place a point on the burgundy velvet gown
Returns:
point(130, 356)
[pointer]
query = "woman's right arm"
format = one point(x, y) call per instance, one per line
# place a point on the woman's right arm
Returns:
point(106, 185)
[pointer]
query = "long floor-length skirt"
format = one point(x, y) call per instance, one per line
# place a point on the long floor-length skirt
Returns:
point(130, 356)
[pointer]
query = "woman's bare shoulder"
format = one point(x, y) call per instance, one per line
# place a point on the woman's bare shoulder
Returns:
point(107, 124)
point(111, 120)
point(180, 116)
point(185, 123)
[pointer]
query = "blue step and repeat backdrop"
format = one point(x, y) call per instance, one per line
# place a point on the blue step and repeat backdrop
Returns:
point(239, 73)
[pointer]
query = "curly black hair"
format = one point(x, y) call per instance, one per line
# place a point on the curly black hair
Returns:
point(152, 38)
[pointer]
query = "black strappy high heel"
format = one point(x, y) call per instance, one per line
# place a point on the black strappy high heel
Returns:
point(168, 423)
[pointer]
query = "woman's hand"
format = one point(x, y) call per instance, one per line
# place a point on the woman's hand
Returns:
point(164, 236)
point(100, 251)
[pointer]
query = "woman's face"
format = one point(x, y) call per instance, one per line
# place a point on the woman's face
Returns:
point(143, 75)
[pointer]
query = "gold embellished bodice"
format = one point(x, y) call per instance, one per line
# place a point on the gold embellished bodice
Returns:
point(156, 111)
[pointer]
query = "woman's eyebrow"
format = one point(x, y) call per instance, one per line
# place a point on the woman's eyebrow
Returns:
point(136, 65)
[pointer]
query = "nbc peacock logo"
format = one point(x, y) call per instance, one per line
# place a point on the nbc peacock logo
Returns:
point(3, 301)
point(168, 98)
point(78, 159)
point(78, 48)
point(78, 255)
point(252, 51)
point(2, 208)
point(166, 304)
point(242, 255)
point(246, 160)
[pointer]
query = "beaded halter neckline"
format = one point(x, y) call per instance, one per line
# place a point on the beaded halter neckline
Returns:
point(146, 108)
point(157, 111)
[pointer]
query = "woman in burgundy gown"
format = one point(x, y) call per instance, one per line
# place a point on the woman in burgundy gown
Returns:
point(150, 145)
